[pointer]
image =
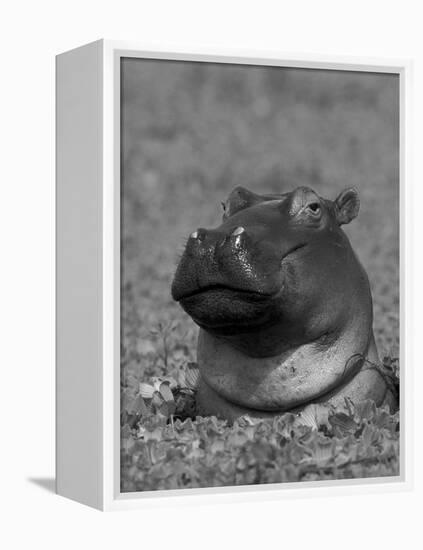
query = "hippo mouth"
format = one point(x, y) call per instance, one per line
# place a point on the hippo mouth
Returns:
point(227, 309)
point(219, 288)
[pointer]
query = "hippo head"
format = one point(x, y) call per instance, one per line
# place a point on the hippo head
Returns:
point(279, 266)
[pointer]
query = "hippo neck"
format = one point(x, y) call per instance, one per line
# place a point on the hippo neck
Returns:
point(289, 379)
point(265, 344)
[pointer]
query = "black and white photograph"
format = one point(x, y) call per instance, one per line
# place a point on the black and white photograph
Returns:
point(259, 248)
point(212, 272)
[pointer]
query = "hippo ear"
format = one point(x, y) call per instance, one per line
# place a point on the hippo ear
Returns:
point(347, 206)
point(239, 199)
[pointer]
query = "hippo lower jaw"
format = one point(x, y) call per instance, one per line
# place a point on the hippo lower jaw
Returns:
point(224, 309)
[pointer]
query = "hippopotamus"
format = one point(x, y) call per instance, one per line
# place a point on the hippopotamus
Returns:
point(283, 305)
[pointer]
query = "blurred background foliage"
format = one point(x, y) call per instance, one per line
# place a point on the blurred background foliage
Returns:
point(190, 132)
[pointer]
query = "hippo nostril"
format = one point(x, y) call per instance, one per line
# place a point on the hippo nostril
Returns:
point(237, 231)
point(198, 235)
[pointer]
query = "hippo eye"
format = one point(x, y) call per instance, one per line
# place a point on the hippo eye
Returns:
point(314, 208)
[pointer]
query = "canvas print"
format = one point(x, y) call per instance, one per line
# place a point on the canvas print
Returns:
point(259, 275)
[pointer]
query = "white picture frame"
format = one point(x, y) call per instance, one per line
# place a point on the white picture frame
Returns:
point(88, 277)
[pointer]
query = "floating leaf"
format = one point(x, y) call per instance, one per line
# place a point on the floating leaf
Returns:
point(167, 395)
point(156, 434)
point(146, 390)
point(127, 444)
point(323, 450)
point(365, 410)
point(127, 397)
point(165, 392)
point(157, 399)
point(138, 406)
point(314, 416)
point(192, 376)
point(132, 382)
point(343, 422)
point(125, 432)
point(217, 446)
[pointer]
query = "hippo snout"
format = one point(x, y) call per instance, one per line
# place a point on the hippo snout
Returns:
point(216, 259)
point(225, 278)
point(216, 244)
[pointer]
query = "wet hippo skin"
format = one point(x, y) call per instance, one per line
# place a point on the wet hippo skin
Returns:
point(283, 305)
